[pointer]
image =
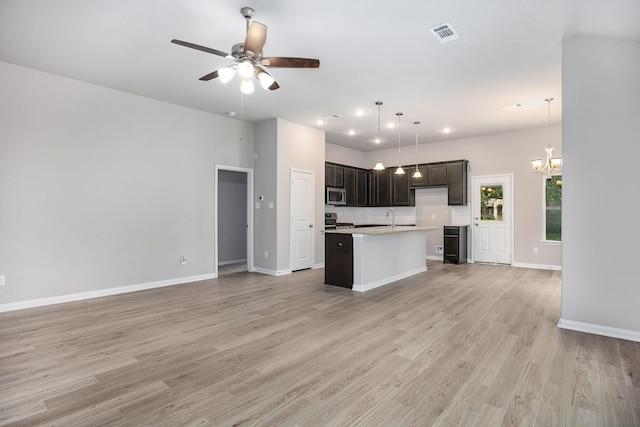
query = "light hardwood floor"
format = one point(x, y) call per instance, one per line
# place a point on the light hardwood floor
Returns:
point(456, 345)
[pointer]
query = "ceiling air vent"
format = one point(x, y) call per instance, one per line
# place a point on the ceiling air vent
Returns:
point(445, 33)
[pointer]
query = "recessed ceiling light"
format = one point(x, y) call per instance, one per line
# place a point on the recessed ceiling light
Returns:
point(512, 107)
point(391, 125)
point(319, 122)
point(446, 130)
point(352, 132)
point(377, 140)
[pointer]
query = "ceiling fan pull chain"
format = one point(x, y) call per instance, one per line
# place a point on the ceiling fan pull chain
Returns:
point(241, 116)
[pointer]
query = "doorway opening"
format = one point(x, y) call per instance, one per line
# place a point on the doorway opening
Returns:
point(233, 220)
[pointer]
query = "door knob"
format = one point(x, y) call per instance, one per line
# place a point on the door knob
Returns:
point(310, 225)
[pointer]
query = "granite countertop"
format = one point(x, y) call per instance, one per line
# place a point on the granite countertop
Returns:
point(385, 229)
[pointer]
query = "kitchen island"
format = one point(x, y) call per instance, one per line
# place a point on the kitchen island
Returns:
point(366, 258)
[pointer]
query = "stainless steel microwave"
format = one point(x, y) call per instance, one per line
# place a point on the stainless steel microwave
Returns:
point(336, 196)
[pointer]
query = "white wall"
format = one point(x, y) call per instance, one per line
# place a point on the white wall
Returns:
point(601, 133)
point(280, 146)
point(505, 153)
point(299, 147)
point(102, 189)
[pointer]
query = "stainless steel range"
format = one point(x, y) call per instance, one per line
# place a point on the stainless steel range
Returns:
point(331, 222)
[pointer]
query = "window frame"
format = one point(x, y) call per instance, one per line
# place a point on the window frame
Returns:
point(544, 239)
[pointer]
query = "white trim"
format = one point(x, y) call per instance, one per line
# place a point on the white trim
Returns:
point(103, 292)
point(435, 258)
point(318, 265)
point(537, 266)
point(607, 331)
point(249, 172)
point(272, 272)
point(550, 242)
point(382, 282)
point(234, 261)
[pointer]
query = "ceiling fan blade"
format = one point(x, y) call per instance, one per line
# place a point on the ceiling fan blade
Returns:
point(198, 47)
point(209, 76)
point(255, 40)
point(283, 62)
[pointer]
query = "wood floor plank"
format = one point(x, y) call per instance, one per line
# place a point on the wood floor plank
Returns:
point(467, 344)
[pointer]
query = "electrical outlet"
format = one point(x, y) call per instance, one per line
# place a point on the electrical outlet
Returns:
point(1, 280)
point(535, 250)
point(183, 260)
point(433, 216)
point(439, 249)
point(266, 254)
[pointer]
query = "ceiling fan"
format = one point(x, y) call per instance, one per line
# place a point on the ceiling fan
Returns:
point(249, 59)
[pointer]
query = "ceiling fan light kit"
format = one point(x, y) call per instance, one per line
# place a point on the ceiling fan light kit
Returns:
point(249, 58)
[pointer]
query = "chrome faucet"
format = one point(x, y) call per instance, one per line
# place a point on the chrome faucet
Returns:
point(393, 217)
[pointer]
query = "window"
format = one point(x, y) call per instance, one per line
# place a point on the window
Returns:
point(491, 200)
point(553, 209)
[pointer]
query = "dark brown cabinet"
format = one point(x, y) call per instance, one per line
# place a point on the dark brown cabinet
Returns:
point(338, 260)
point(385, 188)
point(457, 183)
point(362, 183)
point(401, 193)
point(436, 174)
point(349, 176)
point(382, 190)
point(455, 244)
point(418, 182)
point(333, 175)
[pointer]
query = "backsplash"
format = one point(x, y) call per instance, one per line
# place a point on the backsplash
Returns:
point(405, 215)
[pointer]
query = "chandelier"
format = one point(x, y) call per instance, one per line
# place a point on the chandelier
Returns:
point(552, 165)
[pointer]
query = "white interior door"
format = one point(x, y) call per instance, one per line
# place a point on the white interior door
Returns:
point(302, 227)
point(492, 219)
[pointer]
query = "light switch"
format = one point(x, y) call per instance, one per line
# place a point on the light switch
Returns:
point(257, 205)
point(270, 205)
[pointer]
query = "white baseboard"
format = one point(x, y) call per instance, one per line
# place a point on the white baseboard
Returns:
point(434, 258)
point(316, 266)
point(102, 292)
point(372, 285)
point(537, 266)
point(606, 331)
point(234, 261)
point(271, 272)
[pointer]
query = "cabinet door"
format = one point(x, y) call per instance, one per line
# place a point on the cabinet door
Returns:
point(350, 185)
point(418, 182)
point(338, 255)
point(436, 174)
point(383, 187)
point(400, 192)
point(339, 176)
point(362, 181)
point(371, 188)
point(329, 175)
point(457, 183)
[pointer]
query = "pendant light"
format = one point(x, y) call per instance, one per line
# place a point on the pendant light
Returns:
point(399, 170)
point(552, 165)
point(417, 173)
point(379, 166)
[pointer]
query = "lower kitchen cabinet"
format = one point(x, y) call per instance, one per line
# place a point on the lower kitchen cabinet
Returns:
point(338, 260)
point(455, 244)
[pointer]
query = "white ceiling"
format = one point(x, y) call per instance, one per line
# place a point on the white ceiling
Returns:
point(509, 52)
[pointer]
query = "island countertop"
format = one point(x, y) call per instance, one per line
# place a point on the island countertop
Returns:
point(386, 229)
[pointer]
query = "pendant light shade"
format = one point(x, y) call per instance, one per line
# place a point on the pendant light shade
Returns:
point(399, 170)
point(378, 166)
point(417, 173)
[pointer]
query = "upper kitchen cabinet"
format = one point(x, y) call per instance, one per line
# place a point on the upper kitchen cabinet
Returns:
point(383, 187)
point(436, 174)
point(362, 187)
point(349, 175)
point(457, 182)
point(401, 193)
point(333, 175)
point(418, 182)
